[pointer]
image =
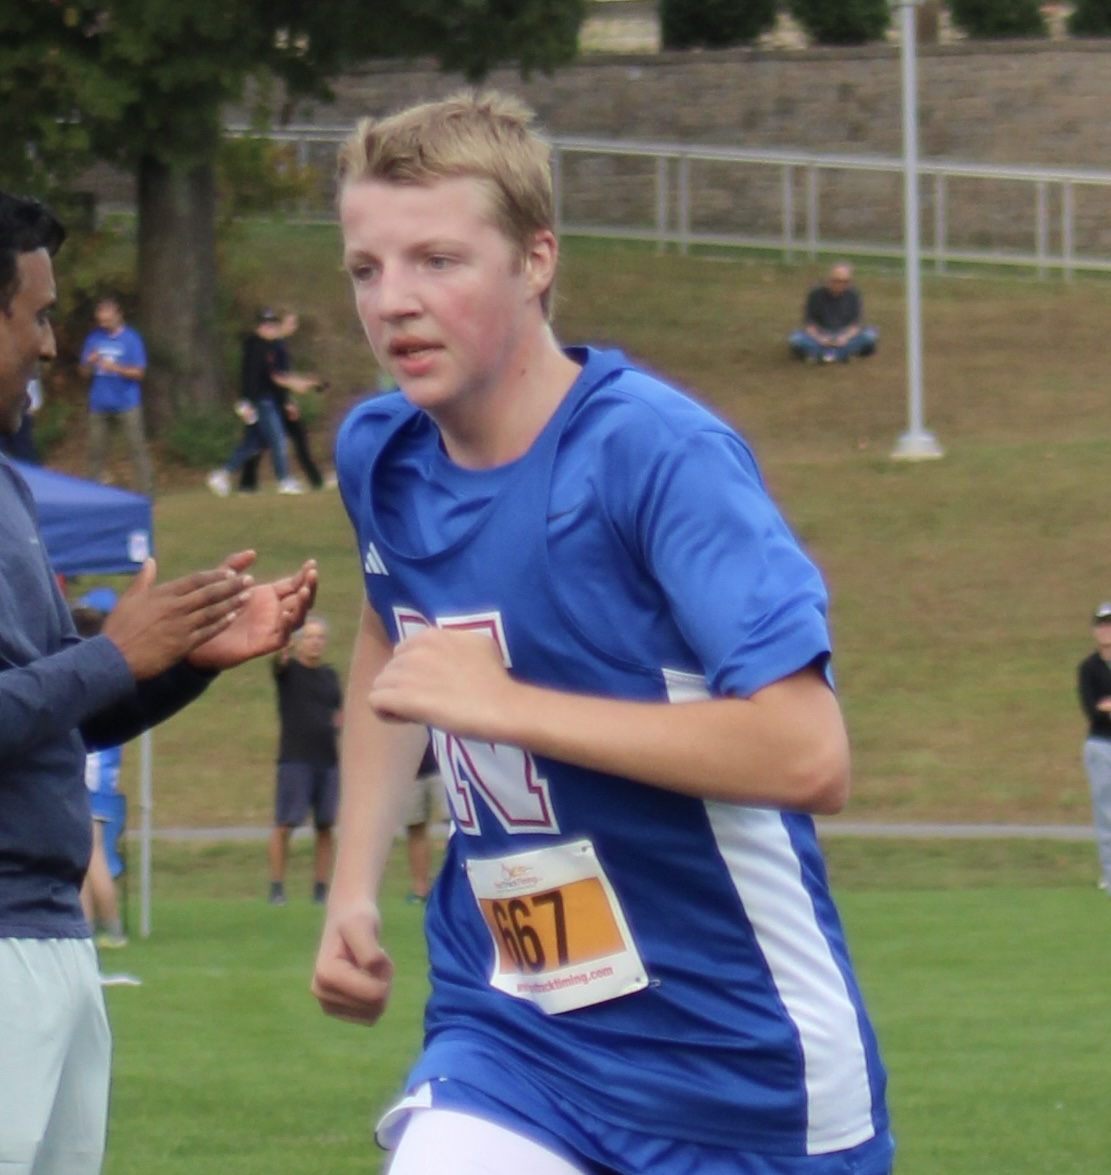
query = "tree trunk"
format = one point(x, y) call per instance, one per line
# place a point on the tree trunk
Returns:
point(928, 28)
point(177, 288)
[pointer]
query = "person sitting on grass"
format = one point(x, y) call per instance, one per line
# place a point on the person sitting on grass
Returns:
point(833, 330)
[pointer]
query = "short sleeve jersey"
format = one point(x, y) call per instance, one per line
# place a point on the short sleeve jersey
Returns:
point(109, 392)
point(102, 778)
point(102, 771)
point(632, 552)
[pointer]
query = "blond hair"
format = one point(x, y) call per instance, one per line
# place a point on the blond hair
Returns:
point(487, 136)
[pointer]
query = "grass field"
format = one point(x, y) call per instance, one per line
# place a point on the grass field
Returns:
point(960, 596)
point(985, 966)
point(960, 588)
point(223, 1062)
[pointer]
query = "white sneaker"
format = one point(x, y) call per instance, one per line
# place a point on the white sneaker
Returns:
point(290, 485)
point(331, 482)
point(219, 483)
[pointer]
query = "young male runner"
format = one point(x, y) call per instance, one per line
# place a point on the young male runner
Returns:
point(575, 578)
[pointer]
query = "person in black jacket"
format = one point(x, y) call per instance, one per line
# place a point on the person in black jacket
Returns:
point(1094, 683)
point(298, 384)
point(265, 380)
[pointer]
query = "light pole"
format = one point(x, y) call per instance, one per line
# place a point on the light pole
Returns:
point(917, 443)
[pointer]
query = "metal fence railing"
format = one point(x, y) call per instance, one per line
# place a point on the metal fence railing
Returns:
point(799, 203)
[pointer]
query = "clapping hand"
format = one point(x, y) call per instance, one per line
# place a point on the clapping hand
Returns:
point(154, 625)
point(264, 623)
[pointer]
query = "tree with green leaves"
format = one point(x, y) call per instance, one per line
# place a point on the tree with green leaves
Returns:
point(986, 19)
point(714, 24)
point(842, 22)
point(45, 142)
point(143, 84)
point(1091, 18)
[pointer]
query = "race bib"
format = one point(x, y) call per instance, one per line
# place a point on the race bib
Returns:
point(560, 937)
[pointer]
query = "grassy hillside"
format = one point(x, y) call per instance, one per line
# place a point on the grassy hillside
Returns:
point(961, 588)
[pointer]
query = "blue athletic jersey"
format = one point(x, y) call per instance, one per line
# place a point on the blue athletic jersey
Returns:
point(102, 778)
point(631, 552)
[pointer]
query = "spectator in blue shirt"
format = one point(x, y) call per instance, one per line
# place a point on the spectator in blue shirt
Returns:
point(114, 358)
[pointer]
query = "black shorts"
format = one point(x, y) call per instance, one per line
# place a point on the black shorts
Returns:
point(304, 785)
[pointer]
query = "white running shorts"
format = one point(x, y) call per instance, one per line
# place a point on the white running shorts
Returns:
point(55, 1058)
point(450, 1142)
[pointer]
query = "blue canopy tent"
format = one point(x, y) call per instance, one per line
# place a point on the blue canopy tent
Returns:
point(90, 529)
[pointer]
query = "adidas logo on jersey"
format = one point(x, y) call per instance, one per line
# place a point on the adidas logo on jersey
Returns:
point(372, 563)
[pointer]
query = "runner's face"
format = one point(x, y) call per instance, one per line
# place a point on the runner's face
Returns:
point(26, 335)
point(441, 292)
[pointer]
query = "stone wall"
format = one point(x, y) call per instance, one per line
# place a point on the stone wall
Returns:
point(1041, 103)
point(1025, 102)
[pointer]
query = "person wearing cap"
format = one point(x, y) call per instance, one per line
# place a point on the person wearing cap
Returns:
point(298, 384)
point(102, 775)
point(1094, 683)
point(115, 361)
point(264, 379)
point(160, 648)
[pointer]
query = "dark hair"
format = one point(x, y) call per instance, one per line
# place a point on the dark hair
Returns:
point(25, 225)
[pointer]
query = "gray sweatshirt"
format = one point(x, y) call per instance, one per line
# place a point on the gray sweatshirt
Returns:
point(59, 694)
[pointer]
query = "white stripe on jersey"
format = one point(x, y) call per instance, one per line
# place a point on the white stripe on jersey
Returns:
point(767, 876)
